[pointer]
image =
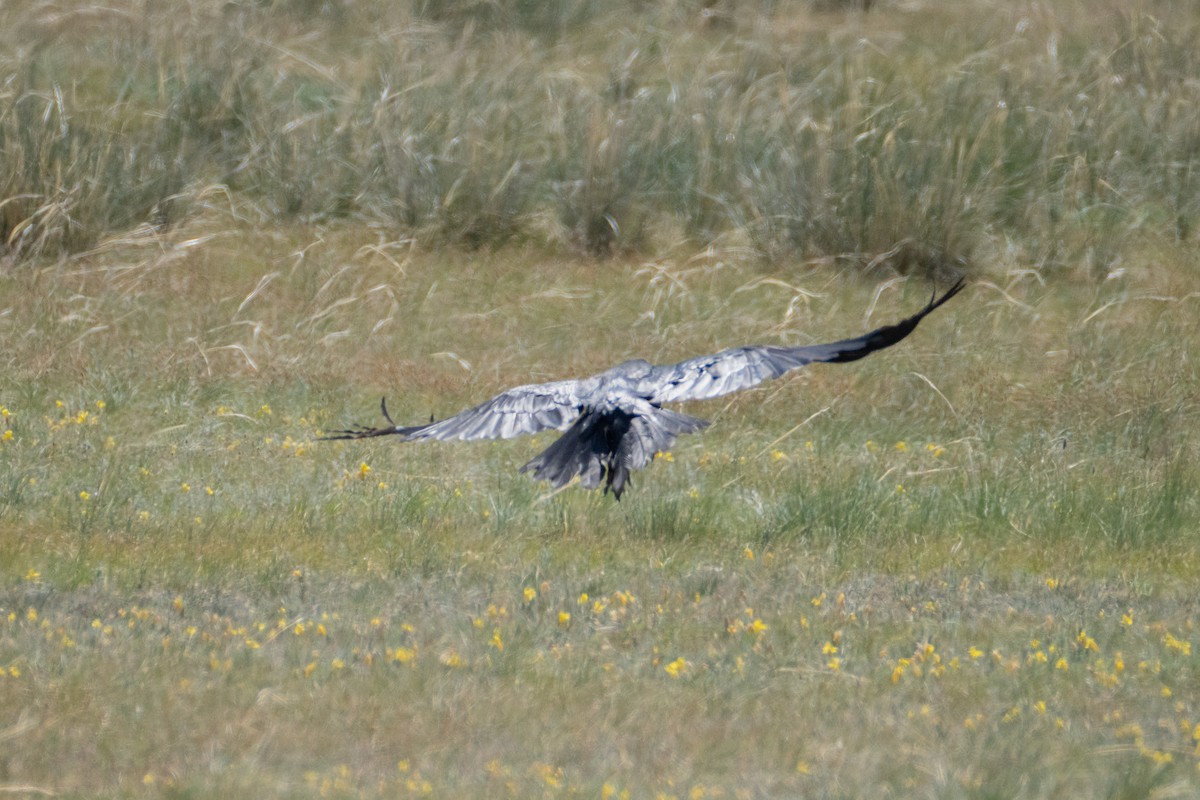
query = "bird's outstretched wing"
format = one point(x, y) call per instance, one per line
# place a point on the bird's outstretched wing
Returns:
point(518, 411)
point(743, 367)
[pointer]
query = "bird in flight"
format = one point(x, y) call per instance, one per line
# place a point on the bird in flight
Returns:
point(613, 423)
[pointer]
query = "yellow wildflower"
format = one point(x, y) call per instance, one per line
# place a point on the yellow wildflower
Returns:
point(676, 667)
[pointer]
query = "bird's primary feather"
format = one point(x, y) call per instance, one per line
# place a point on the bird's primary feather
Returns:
point(614, 422)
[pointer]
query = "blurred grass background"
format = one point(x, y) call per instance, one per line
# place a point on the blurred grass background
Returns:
point(917, 136)
point(230, 227)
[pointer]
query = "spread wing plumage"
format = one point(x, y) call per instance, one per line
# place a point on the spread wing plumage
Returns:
point(518, 411)
point(742, 367)
point(614, 422)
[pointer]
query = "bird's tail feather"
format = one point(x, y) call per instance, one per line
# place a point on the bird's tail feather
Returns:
point(608, 446)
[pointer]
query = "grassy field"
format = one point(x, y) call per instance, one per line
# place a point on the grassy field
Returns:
point(964, 567)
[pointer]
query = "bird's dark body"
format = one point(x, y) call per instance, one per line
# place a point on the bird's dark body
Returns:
point(613, 423)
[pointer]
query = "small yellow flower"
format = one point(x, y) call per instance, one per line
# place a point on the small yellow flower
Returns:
point(901, 447)
point(32, 575)
point(564, 618)
point(748, 554)
point(7, 436)
point(208, 490)
point(778, 455)
point(84, 496)
point(364, 469)
point(676, 667)
point(185, 487)
point(337, 663)
point(530, 594)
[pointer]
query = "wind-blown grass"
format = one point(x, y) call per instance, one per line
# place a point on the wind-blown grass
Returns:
point(911, 138)
point(896, 576)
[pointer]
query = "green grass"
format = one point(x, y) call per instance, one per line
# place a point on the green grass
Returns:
point(246, 640)
point(964, 567)
point(918, 138)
